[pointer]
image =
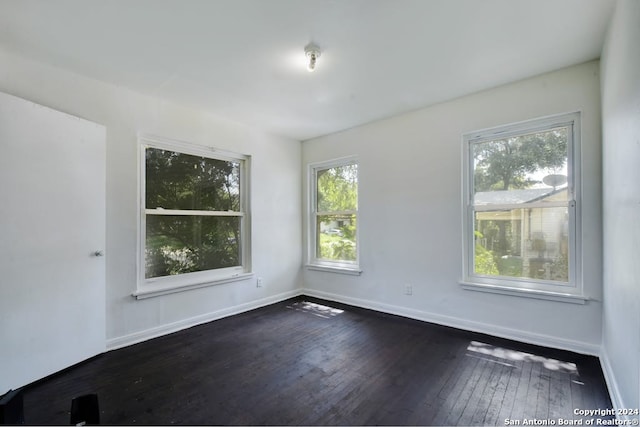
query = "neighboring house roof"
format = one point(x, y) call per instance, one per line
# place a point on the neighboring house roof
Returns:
point(509, 197)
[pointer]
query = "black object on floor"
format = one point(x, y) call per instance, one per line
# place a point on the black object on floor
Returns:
point(85, 409)
point(12, 408)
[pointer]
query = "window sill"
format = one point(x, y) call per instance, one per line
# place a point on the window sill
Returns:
point(150, 291)
point(527, 293)
point(353, 271)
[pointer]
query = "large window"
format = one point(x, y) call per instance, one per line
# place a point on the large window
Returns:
point(333, 224)
point(194, 216)
point(521, 218)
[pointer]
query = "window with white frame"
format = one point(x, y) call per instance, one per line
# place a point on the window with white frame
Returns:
point(521, 203)
point(194, 222)
point(333, 223)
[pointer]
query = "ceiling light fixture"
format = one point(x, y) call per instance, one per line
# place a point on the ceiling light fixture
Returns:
point(313, 53)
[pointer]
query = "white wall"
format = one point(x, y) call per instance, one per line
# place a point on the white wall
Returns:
point(276, 201)
point(410, 215)
point(621, 204)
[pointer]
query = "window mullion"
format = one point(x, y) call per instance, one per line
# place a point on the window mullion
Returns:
point(191, 212)
point(509, 207)
point(347, 212)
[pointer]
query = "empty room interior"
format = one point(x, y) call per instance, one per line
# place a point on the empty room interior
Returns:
point(282, 212)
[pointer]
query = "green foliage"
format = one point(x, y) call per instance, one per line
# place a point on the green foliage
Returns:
point(349, 230)
point(337, 188)
point(336, 248)
point(509, 266)
point(182, 181)
point(483, 259)
point(503, 164)
point(339, 247)
point(560, 268)
point(177, 244)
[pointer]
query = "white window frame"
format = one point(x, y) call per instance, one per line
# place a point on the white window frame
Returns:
point(542, 289)
point(151, 287)
point(315, 263)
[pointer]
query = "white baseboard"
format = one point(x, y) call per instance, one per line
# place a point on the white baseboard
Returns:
point(612, 385)
point(136, 337)
point(508, 333)
point(455, 322)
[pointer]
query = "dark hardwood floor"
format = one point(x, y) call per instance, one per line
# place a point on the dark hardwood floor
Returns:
point(310, 362)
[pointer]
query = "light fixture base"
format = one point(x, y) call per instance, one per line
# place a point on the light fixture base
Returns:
point(313, 53)
point(312, 49)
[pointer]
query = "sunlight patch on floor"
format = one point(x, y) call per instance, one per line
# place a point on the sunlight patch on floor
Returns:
point(505, 356)
point(319, 310)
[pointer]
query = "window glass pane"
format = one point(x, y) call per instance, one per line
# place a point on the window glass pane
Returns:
point(336, 237)
point(528, 243)
point(186, 182)
point(521, 169)
point(337, 188)
point(184, 244)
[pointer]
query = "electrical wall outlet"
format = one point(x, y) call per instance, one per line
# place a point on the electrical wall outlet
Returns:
point(259, 282)
point(408, 289)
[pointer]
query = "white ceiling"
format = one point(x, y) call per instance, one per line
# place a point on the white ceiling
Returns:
point(244, 59)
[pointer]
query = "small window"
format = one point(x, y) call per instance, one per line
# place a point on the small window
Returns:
point(521, 208)
point(333, 225)
point(194, 214)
